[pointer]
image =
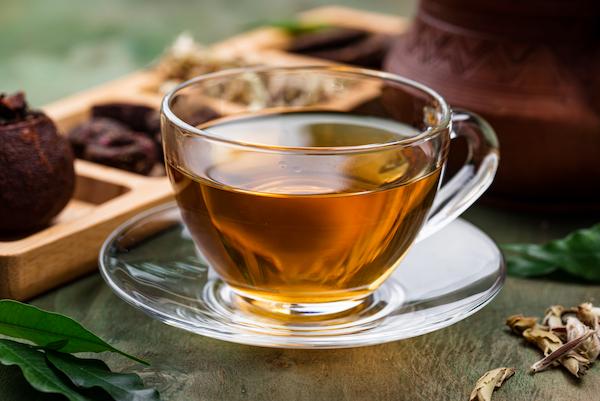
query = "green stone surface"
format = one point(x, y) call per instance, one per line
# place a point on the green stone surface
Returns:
point(443, 365)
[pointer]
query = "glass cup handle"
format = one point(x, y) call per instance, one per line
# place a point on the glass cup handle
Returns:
point(474, 177)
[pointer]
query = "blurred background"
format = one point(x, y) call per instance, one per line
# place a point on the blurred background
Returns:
point(55, 48)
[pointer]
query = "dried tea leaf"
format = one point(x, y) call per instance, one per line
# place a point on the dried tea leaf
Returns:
point(553, 317)
point(567, 336)
point(590, 316)
point(519, 323)
point(593, 349)
point(555, 351)
point(490, 381)
point(186, 59)
point(585, 313)
point(545, 340)
point(576, 364)
point(590, 348)
point(575, 328)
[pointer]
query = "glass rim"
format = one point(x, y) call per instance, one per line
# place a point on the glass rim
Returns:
point(423, 136)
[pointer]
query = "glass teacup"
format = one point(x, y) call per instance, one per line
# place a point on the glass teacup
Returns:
point(304, 187)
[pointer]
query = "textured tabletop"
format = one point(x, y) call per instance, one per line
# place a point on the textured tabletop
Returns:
point(83, 43)
point(439, 366)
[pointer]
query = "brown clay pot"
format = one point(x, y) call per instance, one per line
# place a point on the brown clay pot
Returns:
point(532, 69)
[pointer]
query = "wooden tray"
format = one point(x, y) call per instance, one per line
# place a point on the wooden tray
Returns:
point(104, 196)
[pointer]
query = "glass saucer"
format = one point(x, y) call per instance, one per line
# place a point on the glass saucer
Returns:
point(152, 263)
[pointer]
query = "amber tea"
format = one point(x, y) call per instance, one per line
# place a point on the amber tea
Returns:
point(298, 232)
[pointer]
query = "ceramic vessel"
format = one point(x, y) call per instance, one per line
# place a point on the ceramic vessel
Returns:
point(532, 69)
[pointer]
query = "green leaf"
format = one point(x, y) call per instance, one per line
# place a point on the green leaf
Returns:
point(35, 369)
point(48, 329)
point(523, 266)
point(577, 254)
point(90, 373)
point(55, 345)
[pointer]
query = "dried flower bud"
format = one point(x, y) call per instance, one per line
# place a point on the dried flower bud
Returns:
point(520, 323)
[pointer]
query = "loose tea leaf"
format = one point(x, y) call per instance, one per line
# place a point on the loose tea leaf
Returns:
point(47, 328)
point(590, 348)
point(567, 336)
point(554, 316)
point(519, 323)
point(585, 313)
point(575, 363)
point(575, 328)
point(186, 59)
point(490, 381)
point(577, 254)
point(36, 371)
point(90, 373)
point(550, 344)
